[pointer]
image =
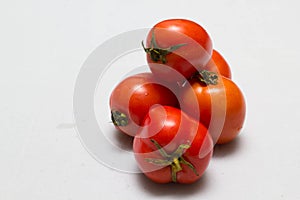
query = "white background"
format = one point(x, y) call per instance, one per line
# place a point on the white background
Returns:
point(43, 45)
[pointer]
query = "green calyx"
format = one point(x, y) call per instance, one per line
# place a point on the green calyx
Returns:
point(119, 118)
point(174, 159)
point(208, 77)
point(159, 54)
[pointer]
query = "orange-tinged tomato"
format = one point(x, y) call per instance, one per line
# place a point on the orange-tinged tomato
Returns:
point(218, 64)
point(221, 105)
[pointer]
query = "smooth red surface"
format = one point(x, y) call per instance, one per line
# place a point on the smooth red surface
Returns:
point(135, 95)
point(221, 103)
point(219, 65)
point(187, 59)
point(170, 127)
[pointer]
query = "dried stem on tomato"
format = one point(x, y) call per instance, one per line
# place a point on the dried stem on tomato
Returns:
point(207, 77)
point(159, 54)
point(174, 160)
point(119, 118)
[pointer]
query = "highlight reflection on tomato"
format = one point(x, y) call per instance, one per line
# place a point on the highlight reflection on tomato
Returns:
point(229, 104)
point(131, 99)
point(177, 44)
point(172, 147)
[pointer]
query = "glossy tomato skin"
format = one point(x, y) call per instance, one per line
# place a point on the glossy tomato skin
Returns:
point(222, 107)
point(218, 64)
point(187, 59)
point(170, 127)
point(134, 96)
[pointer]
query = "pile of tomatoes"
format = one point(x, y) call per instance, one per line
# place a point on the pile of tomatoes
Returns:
point(182, 108)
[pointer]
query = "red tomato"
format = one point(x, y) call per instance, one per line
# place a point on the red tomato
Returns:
point(177, 48)
point(172, 147)
point(219, 65)
point(131, 99)
point(222, 107)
